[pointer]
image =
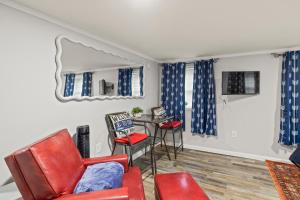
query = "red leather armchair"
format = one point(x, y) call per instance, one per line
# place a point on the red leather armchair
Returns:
point(51, 168)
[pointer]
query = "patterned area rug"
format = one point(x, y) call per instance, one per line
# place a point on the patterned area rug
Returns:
point(286, 178)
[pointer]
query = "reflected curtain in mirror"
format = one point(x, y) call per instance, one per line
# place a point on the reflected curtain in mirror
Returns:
point(204, 99)
point(173, 90)
point(290, 101)
point(141, 70)
point(87, 84)
point(69, 85)
point(124, 82)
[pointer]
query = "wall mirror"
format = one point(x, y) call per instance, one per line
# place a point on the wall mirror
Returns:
point(87, 73)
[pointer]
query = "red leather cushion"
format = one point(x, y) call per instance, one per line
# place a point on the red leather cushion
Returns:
point(134, 137)
point(171, 124)
point(133, 180)
point(18, 177)
point(179, 185)
point(52, 166)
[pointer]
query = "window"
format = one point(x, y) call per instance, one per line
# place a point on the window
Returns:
point(78, 85)
point(189, 76)
point(136, 82)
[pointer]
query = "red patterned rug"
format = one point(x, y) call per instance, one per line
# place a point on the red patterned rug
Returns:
point(286, 178)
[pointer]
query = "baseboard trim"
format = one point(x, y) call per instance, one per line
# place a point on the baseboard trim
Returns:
point(234, 153)
point(222, 152)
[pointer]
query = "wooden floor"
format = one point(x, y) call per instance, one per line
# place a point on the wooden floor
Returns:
point(220, 176)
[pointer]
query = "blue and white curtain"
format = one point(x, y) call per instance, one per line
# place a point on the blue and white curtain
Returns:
point(173, 90)
point(69, 85)
point(290, 101)
point(141, 81)
point(87, 84)
point(204, 99)
point(125, 82)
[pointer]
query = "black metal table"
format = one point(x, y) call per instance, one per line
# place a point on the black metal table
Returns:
point(150, 119)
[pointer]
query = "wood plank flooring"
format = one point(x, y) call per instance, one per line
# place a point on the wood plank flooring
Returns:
point(221, 177)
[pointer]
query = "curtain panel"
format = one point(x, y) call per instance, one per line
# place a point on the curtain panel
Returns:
point(204, 99)
point(173, 90)
point(290, 101)
point(125, 82)
point(87, 84)
point(69, 85)
point(141, 81)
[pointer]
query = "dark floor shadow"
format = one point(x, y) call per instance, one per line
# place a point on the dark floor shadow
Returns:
point(144, 161)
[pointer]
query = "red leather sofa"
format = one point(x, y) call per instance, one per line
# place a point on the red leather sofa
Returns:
point(51, 168)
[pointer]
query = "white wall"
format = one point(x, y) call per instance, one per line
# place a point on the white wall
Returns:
point(29, 108)
point(255, 118)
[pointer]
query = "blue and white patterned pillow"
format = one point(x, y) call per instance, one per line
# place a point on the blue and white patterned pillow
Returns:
point(160, 112)
point(122, 122)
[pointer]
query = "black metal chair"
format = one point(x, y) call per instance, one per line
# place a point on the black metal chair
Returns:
point(174, 125)
point(135, 141)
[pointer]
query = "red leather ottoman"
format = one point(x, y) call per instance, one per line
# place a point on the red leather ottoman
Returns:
point(177, 186)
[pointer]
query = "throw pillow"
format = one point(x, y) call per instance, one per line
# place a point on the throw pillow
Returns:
point(122, 122)
point(160, 112)
point(100, 176)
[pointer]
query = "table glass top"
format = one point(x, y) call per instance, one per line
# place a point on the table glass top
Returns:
point(151, 119)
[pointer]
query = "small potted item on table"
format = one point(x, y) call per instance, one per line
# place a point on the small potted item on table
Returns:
point(137, 112)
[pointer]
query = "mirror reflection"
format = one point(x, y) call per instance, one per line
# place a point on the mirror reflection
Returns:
point(87, 72)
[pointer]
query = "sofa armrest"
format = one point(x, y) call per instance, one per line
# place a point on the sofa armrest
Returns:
point(113, 194)
point(121, 158)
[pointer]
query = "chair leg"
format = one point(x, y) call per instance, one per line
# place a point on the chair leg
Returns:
point(161, 136)
point(168, 153)
point(126, 152)
point(125, 147)
point(145, 150)
point(181, 132)
point(114, 147)
point(131, 160)
point(151, 158)
point(154, 161)
point(174, 144)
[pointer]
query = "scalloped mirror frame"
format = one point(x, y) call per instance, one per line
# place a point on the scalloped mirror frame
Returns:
point(59, 83)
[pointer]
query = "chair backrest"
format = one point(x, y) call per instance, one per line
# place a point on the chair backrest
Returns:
point(158, 111)
point(119, 122)
point(48, 168)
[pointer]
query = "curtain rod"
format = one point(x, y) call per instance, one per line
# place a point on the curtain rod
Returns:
point(192, 62)
point(99, 69)
point(276, 55)
point(275, 51)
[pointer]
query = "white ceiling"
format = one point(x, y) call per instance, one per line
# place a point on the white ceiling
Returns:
point(172, 29)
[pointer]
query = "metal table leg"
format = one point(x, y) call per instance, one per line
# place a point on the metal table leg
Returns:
point(155, 134)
